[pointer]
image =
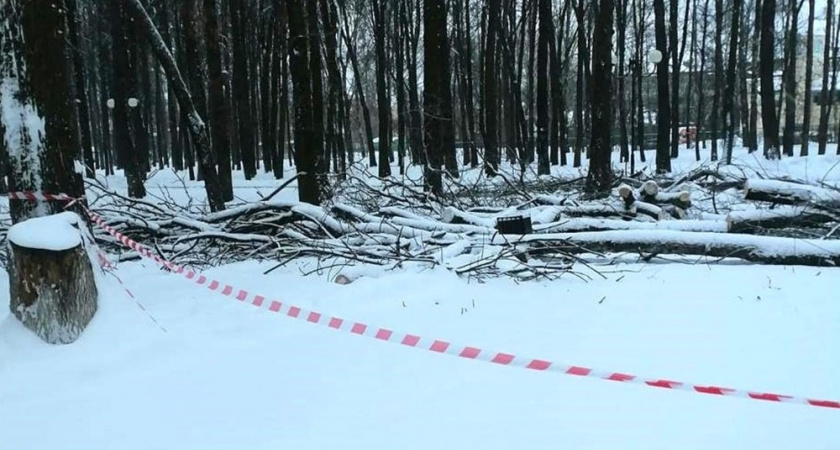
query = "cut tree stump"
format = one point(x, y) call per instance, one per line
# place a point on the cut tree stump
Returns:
point(53, 291)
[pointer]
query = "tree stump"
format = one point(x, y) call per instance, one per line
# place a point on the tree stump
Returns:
point(53, 291)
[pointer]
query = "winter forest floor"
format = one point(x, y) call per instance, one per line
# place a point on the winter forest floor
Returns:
point(210, 373)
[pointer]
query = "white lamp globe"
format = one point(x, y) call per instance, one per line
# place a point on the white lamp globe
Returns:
point(110, 103)
point(655, 56)
point(133, 102)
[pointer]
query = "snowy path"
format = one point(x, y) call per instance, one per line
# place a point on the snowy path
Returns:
point(227, 375)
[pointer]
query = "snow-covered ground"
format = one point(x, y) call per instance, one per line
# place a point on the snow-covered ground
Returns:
point(224, 375)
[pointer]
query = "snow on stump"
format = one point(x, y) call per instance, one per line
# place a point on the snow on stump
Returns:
point(53, 292)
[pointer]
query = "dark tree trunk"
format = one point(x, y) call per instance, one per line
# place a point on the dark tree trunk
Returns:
point(545, 19)
point(218, 105)
point(267, 76)
point(718, 79)
point(306, 157)
point(242, 89)
point(827, 92)
point(580, 87)
point(731, 81)
point(769, 119)
point(675, 76)
point(335, 108)
point(621, 24)
point(809, 78)
point(125, 142)
point(74, 19)
point(360, 92)
point(315, 144)
point(490, 97)
point(194, 123)
point(790, 78)
point(599, 179)
point(753, 133)
point(34, 80)
point(437, 108)
point(383, 100)
point(663, 116)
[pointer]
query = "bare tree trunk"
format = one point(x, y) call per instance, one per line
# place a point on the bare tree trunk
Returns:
point(357, 77)
point(790, 78)
point(809, 79)
point(218, 106)
point(769, 119)
point(543, 163)
point(41, 140)
point(195, 125)
point(300, 51)
point(436, 79)
point(753, 137)
point(74, 18)
point(599, 178)
point(383, 100)
point(827, 92)
point(128, 153)
point(731, 81)
point(663, 116)
point(675, 77)
point(718, 83)
point(336, 85)
point(241, 89)
point(490, 96)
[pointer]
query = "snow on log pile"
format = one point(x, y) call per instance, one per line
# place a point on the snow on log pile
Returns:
point(53, 292)
point(392, 223)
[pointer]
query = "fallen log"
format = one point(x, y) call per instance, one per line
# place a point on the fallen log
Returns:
point(758, 249)
point(582, 224)
point(780, 217)
point(787, 193)
point(454, 216)
point(53, 292)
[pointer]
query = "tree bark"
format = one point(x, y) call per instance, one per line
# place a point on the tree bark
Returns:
point(731, 81)
point(383, 99)
point(437, 110)
point(809, 79)
point(790, 78)
point(545, 20)
point(769, 119)
point(39, 118)
point(663, 115)
point(194, 123)
point(218, 105)
point(599, 178)
point(827, 91)
point(53, 291)
point(490, 98)
point(306, 157)
point(242, 89)
point(649, 243)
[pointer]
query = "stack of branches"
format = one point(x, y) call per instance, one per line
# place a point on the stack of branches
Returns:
point(406, 232)
point(392, 223)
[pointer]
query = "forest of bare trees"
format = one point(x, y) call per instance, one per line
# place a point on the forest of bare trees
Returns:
point(213, 86)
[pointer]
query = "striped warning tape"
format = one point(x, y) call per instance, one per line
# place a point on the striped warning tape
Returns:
point(39, 196)
point(432, 345)
point(441, 346)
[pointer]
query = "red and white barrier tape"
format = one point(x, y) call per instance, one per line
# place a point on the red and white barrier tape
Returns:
point(39, 196)
point(441, 346)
